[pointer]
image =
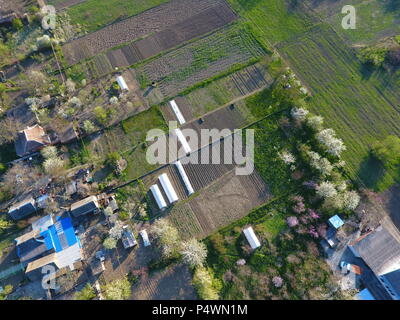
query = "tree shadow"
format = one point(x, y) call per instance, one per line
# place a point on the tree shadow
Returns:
point(371, 172)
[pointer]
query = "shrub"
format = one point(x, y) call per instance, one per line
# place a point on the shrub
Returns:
point(87, 293)
point(387, 151)
point(101, 115)
point(119, 289)
point(43, 42)
point(206, 284)
point(110, 243)
point(17, 24)
point(373, 56)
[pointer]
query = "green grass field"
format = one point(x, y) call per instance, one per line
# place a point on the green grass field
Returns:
point(374, 19)
point(361, 108)
point(95, 14)
point(127, 138)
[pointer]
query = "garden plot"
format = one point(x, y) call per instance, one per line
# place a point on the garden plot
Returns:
point(148, 22)
point(197, 25)
point(228, 199)
point(172, 283)
point(201, 60)
point(230, 89)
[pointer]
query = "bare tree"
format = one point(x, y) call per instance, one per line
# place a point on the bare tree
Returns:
point(9, 128)
point(20, 177)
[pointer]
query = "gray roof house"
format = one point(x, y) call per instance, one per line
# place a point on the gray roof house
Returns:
point(22, 209)
point(85, 206)
point(381, 253)
point(31, 140)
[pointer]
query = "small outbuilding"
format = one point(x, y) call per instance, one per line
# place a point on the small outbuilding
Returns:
point(22, 209)
point(122, 84)
point(85, 206)
point(251, 238)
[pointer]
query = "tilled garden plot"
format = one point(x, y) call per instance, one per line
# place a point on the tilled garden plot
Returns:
point(202, 23)
point(201, 60)
point(228, 199)
point(149, 22)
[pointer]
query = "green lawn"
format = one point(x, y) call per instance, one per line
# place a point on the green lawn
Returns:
point(270, 21)
point(361, 107)
point(127, 138)
point(95, 14)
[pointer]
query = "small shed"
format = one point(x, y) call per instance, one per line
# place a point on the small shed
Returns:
point(22, 209)
point(122, 84)
point(336, 222)
point(85, 206)
point(251, 238)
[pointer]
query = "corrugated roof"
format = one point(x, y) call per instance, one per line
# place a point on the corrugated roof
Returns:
point(84, 206)
point(380, 251)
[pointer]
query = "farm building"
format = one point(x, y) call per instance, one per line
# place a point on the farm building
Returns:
point(251, 238)
point(22, 209)
point(85, 206)
point(381, 253)
point(168, 188)
point(122, 84)
point(177, 112)
point(184, 177)
point(145, 238)
point(155, 190)
point(50, 243)
point(31, 140)
point(182, 140)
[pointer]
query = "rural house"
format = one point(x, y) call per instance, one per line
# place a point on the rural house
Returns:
point(381, 253)
point(85, 206)
point(51, 242)
point(31, 140)
point(22, 209)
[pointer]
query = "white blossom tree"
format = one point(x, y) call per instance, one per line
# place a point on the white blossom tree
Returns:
point(54, 166)
point(299, 114)
point(333, 145)
point(326, 190)
point(351, 199)
point(315, 122)
point(287, 157)
point(193, 252)
point(49, 152)
point(167, 236)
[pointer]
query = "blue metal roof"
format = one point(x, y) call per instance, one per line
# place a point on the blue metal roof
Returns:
point(336, 222)
point(60, 235)
point(365, 295)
